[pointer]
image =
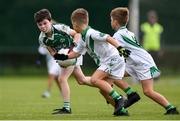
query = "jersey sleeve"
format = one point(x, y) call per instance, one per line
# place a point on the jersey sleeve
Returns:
point(119, 38)
point(64, 28)
point(41, 39)
point(99, 36)
point(80, 48)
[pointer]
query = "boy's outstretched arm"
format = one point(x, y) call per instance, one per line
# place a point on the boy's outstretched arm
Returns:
point(113, 41)
point(71, 55)
point(116, 44)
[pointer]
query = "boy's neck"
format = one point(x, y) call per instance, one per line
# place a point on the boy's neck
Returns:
point(121, 27)
point(83, 33)
point(84, 27)
point(49, 34)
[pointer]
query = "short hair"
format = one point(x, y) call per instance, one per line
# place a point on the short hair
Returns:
point(80, 16)
point(121, 14)
point(41, 15)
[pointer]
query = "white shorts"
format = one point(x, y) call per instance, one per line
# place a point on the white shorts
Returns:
point(115, 67)
point(142, 71)
point(53, 67)
point(79, 61)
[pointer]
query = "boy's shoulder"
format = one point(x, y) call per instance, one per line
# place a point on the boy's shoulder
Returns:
point(62, 27)
point(120, 31)
point(123, 32)
point(42, 35)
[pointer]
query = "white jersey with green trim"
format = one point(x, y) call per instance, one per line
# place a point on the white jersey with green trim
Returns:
point(138, 54)
point(94, 42)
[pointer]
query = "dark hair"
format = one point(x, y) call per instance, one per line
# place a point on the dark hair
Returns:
point(121, 14)
point(41, 15)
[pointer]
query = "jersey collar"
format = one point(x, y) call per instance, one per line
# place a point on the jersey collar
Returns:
point(83, 33)
point(122, 27)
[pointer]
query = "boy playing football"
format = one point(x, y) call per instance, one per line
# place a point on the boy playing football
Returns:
point(54, 38)
point(101, 48)
point(139, 64)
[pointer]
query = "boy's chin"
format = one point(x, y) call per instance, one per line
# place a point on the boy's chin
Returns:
point(46, 31)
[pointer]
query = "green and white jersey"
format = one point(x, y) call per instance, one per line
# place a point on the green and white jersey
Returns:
point(128, 41)
point(94, 42)
point(139, 59)
point(60, 38)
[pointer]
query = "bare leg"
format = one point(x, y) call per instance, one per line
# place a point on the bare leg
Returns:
point(97, 81)
point(121, 84)
point(147, 86)
point(80, 77)
point(63, 80)
point(57, 82)
point(108, 98)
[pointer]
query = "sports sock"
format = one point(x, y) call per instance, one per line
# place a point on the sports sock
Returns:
point(123, 110)
point(114, 95)
point(67, 105)
point(128, 90)
point(169, 106)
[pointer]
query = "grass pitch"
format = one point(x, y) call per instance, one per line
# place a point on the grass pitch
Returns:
point(20, 99)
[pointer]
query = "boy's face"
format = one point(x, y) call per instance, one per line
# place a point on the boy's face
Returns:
point(45, 26)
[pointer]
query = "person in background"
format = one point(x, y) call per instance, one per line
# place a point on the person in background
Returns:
point(151, 35)
point(53, 71)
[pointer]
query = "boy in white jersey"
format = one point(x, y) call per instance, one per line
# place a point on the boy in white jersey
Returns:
point(53, 71)
point(54, 38)
point(139, 64)
point(101, 48)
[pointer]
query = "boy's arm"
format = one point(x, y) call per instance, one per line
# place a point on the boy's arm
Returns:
point(116, 44)
point(113, 42)
point(76, 52)
point(71, 55)
point(51, 51)
point(77, 37)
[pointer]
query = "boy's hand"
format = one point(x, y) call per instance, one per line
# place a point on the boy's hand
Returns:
point(60, 56)
point(123, 51)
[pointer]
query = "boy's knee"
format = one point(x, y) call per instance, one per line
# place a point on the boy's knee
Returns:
point(148, 92)
point(61, 80)
point(81, 83)
point(93, 81)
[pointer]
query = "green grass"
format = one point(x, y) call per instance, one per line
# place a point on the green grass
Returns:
point(20, 98)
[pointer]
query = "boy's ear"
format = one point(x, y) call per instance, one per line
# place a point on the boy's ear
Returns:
point(117, 23)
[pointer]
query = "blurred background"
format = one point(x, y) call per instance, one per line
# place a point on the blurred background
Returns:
point(19, 33)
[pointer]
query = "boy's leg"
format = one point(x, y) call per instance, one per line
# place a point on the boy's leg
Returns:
point(148, 90)
point(65, 91)
point(57, 82)
point(108, 98)
point(80, 77)
point(97, 81)
point(51, 77)
point(133, 97)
